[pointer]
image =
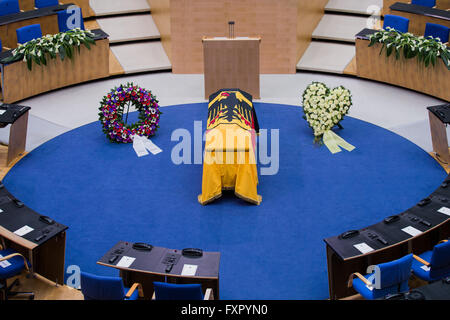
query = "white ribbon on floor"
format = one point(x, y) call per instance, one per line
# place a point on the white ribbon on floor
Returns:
point(142, 144)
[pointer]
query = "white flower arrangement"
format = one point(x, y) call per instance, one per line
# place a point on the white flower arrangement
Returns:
point(426, 49)
point(324, 108)
point(61, 44)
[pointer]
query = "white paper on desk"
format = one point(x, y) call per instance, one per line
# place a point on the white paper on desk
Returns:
point(189, 270)
point(2, 112)
point(445, 211)
point(23, 231)
point(139, 147)
point(411, 231)
point(1, 211)
point(125, 262)
point(4, 263)
point(363, 247)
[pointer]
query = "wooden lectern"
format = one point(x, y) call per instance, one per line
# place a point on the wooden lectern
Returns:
point(439, 118)
point(231, 63)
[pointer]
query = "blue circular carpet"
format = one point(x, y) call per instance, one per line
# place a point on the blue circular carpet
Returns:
point(105, 193)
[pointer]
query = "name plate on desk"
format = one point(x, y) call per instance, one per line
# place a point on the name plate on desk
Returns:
point(23, 231)
point(363, 247)
point(411, 231)
point(444, 210)
point(126, 262)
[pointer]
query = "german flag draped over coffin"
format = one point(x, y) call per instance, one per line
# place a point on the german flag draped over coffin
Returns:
point(229, 159)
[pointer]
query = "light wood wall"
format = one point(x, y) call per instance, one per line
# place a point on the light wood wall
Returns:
point(160, 10)
point(285, 27)
point(309, 15)
point(440, 4)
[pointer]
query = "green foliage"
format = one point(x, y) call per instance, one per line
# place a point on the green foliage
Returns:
point(62, 44)
point(426, 49)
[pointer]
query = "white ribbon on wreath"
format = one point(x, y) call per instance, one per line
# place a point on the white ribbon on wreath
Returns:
point(142, 144)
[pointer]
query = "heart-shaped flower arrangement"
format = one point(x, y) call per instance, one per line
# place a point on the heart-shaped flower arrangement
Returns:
point(324, 108)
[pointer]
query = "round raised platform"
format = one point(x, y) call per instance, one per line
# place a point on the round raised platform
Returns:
point(105, 193)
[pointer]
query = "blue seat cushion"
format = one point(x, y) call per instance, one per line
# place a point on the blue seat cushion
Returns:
point(369, 294)
point(134, 296)
point(16, 267)
point(422, 272)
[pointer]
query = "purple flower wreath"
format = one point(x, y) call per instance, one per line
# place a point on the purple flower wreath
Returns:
point(111, 113)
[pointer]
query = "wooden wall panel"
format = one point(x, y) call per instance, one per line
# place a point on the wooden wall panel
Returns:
point(405, 73)
point(309, 15)
point(274, 21)
point(160, 10)
point(20, 83)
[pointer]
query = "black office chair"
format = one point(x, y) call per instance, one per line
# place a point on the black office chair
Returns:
point(12, 264)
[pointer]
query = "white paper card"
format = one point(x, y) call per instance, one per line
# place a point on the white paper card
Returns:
point(425, 268)
point(189, 270)
point(445, 211)
point(411, 231)
point(363, 247)
point(125, 262)
point(1, 211)
point(4, 263)
point(139, 147)
point(2, 112)
point(23, 231)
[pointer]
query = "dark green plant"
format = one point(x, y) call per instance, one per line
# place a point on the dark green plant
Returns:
point(426, 49)
point(61, 44)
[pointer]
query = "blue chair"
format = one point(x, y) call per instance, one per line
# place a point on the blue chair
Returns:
point(394, 276)
point(171, 291)
point(96, 287)
point(70, 19)
point(9, 7)
point(45, 3)
point(13, 263)
point(437, 31)
point(28, 33)
point(398, 23)
point(433, 265)
point(425, 3)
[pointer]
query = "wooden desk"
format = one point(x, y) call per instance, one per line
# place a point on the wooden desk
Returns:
point(343, 258)
point(19, 83)
point(46, 17)
point(440, 4)
point(438, 126)
point(231, 63)
point(17, 116)
point(418, 16)
point(46, 255)
point(150, 266)
point(408, 73)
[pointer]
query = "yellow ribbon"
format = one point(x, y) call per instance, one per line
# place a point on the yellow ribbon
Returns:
point(333, 142)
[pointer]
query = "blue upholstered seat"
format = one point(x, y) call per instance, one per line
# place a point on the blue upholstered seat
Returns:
point(425, 3)
point(17, 265)
point(45, 3)
point(437, 31)
point(9, 7)
point(170, 291)
point(96, 287)
point(398, 23)
point(439, 259)
point(394, 276)
point(70, 19)
point(28, 33)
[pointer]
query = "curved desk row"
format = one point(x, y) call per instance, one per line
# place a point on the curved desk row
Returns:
point(440, 4)
point(419, 15)
point(24, 230)
point(83, 4)
point(163, 265)
point(416, 230)
point(46, 17)
point(408, 73)
point(19, 83)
